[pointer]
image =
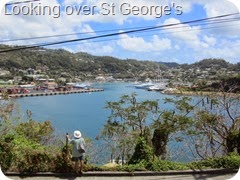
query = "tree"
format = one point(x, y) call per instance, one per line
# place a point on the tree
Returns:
point(127, 122)
point(131, 114)
point(218, 125)
point(169, 122)
point(22, 143)
point(131, 119)
point(113, 133)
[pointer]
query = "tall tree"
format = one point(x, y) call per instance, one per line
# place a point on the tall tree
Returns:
point(127, 122)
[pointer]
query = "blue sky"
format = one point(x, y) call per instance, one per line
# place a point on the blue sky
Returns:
point(182, 44)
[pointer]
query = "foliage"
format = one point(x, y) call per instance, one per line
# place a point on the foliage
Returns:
point(132, 115)
point(230, 84)
point(132, 167)
point(211, 123)
point(231, 161)
point(131, 119)
point(36, 131)
point(62, 161)
point(162, 165)
point(23, 144)
point(6, 154)
point(61, 63)
point(142, 153)
point(216, 130)
point(169, 122)
point(208, 63)
point(128, 121)
point(33, 161)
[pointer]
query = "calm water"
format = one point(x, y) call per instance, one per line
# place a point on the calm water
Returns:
point(84, 111)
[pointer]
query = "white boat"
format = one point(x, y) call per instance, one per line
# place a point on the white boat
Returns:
point(143, 85)
point(82, 85)
point(157, 87)
point(160, 85)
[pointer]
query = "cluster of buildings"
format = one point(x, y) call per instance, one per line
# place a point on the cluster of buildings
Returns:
point(37, 80)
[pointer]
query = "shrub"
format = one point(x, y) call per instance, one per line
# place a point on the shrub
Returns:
point(162, 165)
point(62, 161)
point(6, 154)
point(142, 153)
point(231, 161)
point(132, 167)
point(34, 161)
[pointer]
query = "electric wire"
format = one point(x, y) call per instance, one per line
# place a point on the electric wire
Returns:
point(141, 34)
point(117, 33)
point(113, 30)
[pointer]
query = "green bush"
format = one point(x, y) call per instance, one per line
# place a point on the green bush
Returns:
point(142, 153)
point(90, 167)
point(62, 161)
point(132, 167)
point(162, 165)
point(231, 161)
point(34, 161)
point(6, 154)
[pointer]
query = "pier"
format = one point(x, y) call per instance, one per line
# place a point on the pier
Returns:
point(51, 93)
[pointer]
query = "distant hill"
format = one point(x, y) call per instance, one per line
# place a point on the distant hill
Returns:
point(66, 64)
point(61, 63)
point(170, 64)
point(209, 63)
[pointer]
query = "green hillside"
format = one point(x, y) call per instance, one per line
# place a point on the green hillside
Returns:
point(61, 62)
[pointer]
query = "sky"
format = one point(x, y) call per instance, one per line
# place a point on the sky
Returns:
point(75, 19)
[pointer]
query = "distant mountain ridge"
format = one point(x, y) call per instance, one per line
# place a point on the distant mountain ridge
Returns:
point(170, 64)
point(62, 63)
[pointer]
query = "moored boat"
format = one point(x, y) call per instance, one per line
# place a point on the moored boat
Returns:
point(157, 87)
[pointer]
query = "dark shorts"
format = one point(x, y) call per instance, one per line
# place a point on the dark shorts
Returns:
point(78, 158)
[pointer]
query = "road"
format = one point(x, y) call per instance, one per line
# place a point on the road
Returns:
point(136, 176)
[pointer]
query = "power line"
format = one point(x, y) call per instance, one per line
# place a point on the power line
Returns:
point(70, 34)
point(118, 33)
point(113, 30)
point(113, 39)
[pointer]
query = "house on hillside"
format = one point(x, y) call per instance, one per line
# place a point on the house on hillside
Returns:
point(50, 85)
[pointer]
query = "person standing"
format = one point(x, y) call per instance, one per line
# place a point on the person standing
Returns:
point(77, 157)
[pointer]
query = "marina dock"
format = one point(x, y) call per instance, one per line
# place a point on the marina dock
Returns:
point(54, 93)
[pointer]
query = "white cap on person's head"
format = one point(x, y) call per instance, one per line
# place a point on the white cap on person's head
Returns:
point(77, 134)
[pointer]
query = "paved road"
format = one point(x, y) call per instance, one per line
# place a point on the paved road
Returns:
point(158, 177)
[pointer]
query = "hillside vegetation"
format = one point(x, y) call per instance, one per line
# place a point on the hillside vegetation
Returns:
point(62, 62)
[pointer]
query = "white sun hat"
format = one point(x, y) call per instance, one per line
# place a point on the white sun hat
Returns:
point(77, 134)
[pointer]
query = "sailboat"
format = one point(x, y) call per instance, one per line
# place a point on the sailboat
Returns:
point(160, 85)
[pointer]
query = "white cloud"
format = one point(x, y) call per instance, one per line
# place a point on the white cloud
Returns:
point(69, 2)
point(87, 29)
point(95, 48)
point(20, 26)
point(183, 33)
point(182, 41)
point(186, 5)
point(228, 50)
point(138, 44)
point(215, 8)
point(211, 41)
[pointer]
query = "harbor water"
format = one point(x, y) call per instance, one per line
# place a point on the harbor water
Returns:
point(84, 111)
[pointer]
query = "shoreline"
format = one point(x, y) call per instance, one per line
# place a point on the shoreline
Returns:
point(200, 93)
point(54, 93)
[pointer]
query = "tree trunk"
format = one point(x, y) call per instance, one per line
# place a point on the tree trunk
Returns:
point(159, 140)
